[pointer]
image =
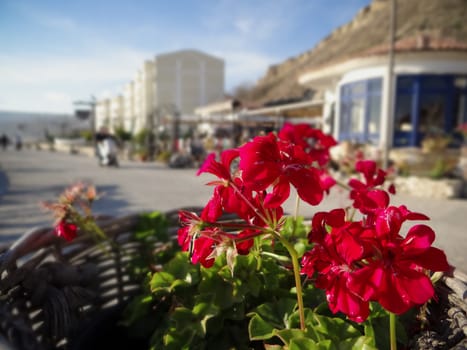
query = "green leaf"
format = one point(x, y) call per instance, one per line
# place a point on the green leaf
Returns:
point(369, 331)
point(335, 328)
point(274, 277)
point(304, 344)
point(286, 335)
point(161, 281)
point(177, 341)
point(181, 268)
point(152, 225)
point(204, 311)
point(260, 329)
point(220, 290)
point(187, 322)
point(300, 248)
point(358, 343)
point(294, 228)
point(139, 307)
point(178, 273)
point(277, 313)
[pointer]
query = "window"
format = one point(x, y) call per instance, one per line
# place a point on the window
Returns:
point(360, 111)
point(428, 105)
point(431, 113)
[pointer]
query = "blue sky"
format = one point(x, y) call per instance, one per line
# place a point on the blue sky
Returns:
point(55, 52)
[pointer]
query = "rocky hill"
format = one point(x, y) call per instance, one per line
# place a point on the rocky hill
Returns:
point(369, 28)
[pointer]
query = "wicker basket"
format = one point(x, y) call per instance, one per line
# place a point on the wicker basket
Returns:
point(53, 292)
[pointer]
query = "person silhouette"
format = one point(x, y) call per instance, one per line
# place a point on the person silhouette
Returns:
point(4, 141)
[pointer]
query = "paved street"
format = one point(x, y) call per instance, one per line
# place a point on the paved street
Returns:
point(28, 177)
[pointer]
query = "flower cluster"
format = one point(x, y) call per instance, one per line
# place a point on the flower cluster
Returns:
point(354, 261)
point(369, 260)
point(72, 211)
point(297, 157)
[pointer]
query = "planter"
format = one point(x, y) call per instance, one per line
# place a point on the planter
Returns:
point(429, 188)
point(53, 291)
point(418, 162)
point(57, 294)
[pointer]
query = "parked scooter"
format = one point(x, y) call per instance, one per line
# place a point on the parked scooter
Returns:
point(107, 152)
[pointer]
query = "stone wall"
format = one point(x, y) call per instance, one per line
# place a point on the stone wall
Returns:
point(427, 188)
point(414, 161)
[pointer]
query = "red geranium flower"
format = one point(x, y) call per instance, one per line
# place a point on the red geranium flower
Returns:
point(334, 259)
point(66, 230)
point(395, 273)
point(196, 237)
point(202, 250)
point(204, 241)
point(313, 141)
point(397, 277)
point(225, 196)
point(265, 161)
point(366, 195)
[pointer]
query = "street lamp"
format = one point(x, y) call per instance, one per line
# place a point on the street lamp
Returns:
point(390, 85)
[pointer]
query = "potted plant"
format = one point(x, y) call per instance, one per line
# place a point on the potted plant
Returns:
point(240, 274)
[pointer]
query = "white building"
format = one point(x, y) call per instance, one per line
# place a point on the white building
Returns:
point(102, 117)
point(116, 112)
point(188, 79)
point(427, 94)
point(172, 83)
point(129, 116)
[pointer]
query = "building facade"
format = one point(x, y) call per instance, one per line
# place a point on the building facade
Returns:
point(425, 95)
point(171, 83)
point(102, 111)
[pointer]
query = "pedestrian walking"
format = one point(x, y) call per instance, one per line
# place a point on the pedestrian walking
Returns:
point(4, 141)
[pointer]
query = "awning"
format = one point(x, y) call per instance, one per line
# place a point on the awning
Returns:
point(312, 108)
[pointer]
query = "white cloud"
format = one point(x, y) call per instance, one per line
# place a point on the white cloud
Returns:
point(51, 83)
point(41, 68)
point(56, 22)
point(245, 67)
point(254, 21)
point(57, 97)
point(240, 33)
point(244, 25)
point(47, 19)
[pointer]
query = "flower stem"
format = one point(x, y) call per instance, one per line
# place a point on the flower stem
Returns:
point(298, 281)
point(392, 331)
point(343, 185)
point(297, 207)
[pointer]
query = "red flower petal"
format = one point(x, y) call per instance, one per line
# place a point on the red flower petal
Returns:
point(419, 238)
point(202, 249)
point(260, 162)
point(433, 259)
point(66, 230)
point(348, 248)
point(366, 281)
point(308, 185)
point(279, 194)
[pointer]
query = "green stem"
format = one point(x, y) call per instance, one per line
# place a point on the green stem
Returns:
point(298, 281)
point(297, 208)
point(392, 331)
point(280, 258)
point(343, 185)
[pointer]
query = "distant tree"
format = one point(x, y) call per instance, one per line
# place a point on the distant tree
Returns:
point(122, 134)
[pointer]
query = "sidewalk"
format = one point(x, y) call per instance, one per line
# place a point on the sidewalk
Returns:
point(37, 175)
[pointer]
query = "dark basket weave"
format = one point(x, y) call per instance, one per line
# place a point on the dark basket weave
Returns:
point(52, 292)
